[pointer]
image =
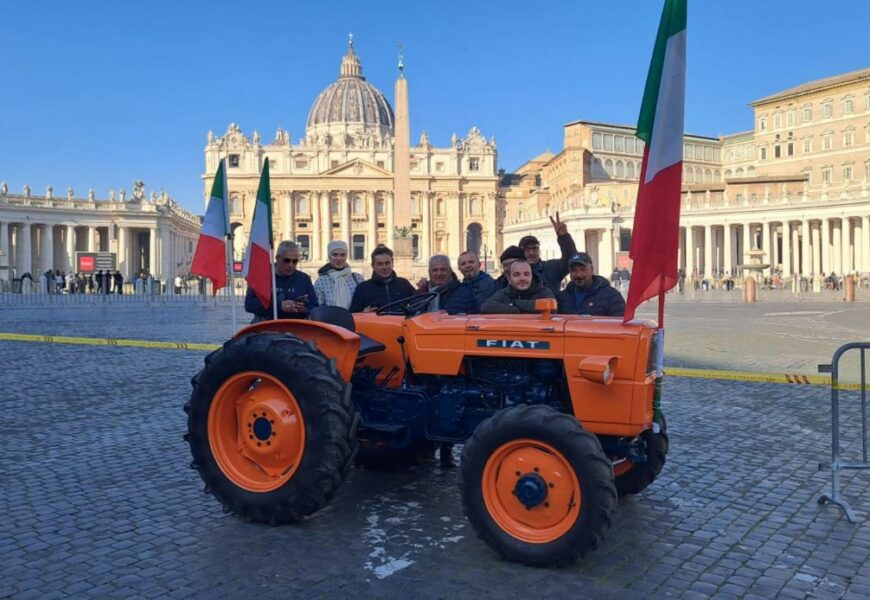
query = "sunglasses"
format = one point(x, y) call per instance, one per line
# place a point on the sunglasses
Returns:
point(290, 260)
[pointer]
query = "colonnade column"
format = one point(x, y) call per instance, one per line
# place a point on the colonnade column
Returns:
point(816, 265)
point(690, 251)
point(837, 254)
point(391, 222)
point(326, 226)
point(786, 248)
point(152, 250)
point(806, 258)
point(775, 258)
point(765, 245)
point(708, 251)
point(865, 243)
point(728, 262)
point(606, 253)
point(92, 239)
point(317, 223)
point(826, 246)
point(846, 240)
point(46, 248)
point(287, 216)
point(123, 251)
point(796, 249)
point(71, 265)
point(25, 253)
point(747, 243)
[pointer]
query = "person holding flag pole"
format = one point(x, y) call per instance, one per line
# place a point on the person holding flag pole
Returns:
point(655, 234)
point(212, 259)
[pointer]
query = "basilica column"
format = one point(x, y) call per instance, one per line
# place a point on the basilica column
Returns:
point(316, 225)
point(826, 246)
point(865, 243)
point(345, 200)
point(786, 248)
point(765, 242)
point(46, 248)
point(727, 251)
point(837, 251)
point(391, 222)
point(372, 213)
point(286, 216)
point(708, 251)
point(71, 265)
point(806, 257)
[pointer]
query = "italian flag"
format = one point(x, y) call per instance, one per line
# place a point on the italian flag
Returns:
point(258, 258)
point(210, 257)
point(656, 232)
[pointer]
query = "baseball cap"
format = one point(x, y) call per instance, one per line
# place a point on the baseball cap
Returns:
point(581, 258)
point(512, 252)
point(529, 240)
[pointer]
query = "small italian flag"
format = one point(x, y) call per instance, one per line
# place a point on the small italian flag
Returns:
point(258, 258)
point(210, 257)
point(656, 231)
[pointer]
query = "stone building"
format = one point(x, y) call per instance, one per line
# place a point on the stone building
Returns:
point(337, 180)
point(797, 187)
point(152, 234)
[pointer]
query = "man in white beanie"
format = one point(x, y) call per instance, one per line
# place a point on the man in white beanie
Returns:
point(336, 283)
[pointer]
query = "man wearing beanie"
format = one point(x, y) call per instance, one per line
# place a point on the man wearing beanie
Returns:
point(551, 272)
point(336, 283)
point(510, 255)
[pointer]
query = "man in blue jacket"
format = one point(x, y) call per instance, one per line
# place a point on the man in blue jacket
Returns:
point(453, 297)
point(293, 288)
point(480, 284)
point(588, 293)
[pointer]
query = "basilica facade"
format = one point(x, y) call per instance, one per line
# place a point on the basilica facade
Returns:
point(795, 188)
point(337, 181)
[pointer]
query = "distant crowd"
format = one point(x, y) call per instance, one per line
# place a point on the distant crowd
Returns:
point(525, 278)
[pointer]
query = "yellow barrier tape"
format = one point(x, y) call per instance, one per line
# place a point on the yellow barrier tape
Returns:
point(83, 341)
point(743, 376)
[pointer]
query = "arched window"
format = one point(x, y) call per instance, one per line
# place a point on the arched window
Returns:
point(358, 205)
point(738, 172)
point(708, 176)
point(608, 167)
point(474, 238)
point(475, 206)
point(302, 205)
point(629, 170)
point(379, 205)
point(439, 207)
point(620, 169)
point(597, 168)
point(750, 171)
point(727, 173)
point(235, 205)
point(334, 205)
point(717, 175)
point(690, 175)
point(415, 205)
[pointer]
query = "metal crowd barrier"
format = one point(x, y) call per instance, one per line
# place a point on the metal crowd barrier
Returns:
point(837, 464)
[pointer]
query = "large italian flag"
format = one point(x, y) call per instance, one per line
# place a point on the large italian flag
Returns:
point(655, 236)
point(210, 257)
point(258, 258)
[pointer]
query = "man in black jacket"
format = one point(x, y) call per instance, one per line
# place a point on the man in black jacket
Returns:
point(553, 271)
point(588, 293)
point(479, 283)
point(293, 288)
point(525, 287)
point(384, 286)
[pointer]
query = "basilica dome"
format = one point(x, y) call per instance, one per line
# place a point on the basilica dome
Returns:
point(351, 105)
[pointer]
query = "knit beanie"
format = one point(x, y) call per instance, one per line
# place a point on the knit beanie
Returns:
point(335, 245)
point(512, 252)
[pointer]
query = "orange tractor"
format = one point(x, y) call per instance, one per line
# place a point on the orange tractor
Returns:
point(558, 415)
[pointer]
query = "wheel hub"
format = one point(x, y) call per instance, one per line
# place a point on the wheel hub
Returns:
point(262, 429)
point(531, 490)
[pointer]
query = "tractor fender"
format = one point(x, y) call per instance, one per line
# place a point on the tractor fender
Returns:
point(331, 340)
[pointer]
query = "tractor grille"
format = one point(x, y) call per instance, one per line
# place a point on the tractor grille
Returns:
point(653, 359)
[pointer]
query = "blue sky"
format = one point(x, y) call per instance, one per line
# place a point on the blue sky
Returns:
point(101, 93)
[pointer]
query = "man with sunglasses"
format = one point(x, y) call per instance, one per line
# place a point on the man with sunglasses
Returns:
point(293, 288)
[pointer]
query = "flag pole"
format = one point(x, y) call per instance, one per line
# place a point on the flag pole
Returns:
point(274, 289)
point(230, 237)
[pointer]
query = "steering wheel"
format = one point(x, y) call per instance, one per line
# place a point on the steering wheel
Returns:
point(409, 306)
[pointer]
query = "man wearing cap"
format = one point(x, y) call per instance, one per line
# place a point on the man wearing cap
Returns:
point(551, 272)
point(510, 255)
point(588, 293)
point(336, 283)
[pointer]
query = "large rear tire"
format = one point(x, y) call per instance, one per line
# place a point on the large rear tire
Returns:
point(271, 427)
point(536, 486)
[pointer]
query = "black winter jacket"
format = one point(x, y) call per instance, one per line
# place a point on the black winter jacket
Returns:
point(296, 286)
point(510, 301)
point(553, 271)
point(601, 300)
point(456, 298)
point(379, 292)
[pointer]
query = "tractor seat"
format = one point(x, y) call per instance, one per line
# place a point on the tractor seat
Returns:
point(336, 315)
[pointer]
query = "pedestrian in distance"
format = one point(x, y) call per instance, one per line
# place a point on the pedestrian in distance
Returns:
point(293, 288)
point(588, 293)
point(336, 282)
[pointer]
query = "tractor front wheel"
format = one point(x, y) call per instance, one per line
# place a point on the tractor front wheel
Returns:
point(271, 427)
point(536, 486)
point(633, 478)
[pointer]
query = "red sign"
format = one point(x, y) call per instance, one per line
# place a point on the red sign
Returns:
point(86, 264)
point(238, 266)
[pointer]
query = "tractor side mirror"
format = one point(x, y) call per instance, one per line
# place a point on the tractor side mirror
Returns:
point(546, 306)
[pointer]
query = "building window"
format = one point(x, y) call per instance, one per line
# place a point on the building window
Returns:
point(689, 151)
point(475, 206)
point(847, 173)
point(359, 247)
point(597, 142)
point(827, 141)
point(762, 124)
point(474, 164)
point(273, 163)
point(414, 165)
point(608, 167)
point(302, 205)
point(333, 164)
point(415, 205)
point(334, 206)
point(762, 153)
point(235, 205)
point(380, 164)
point(848, 138)
point(826, 175)
point(808, 146)
point(689, 176)
point(807, 115)
point(717, 175)
point(300, 163)
point(439, 207)
point(777, 121)
point(629, 170)
point(439, 166)
point(619, 143)
point(630, 145)
point(789, 118)
point(608, 142)
point(776, 151)
point(708, 153)
point(827, 110)
point(848, 106)
point(379, 206)
point(790, 149)
point(867, 170)
point(234, 160)
point(359, 205)
point(708, 176)
point(620, 169)
point(415, 245)
point(304, 242)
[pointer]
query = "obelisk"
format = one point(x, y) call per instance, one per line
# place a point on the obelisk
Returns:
point(401, 234)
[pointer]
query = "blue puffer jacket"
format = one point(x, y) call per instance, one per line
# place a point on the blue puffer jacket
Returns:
point(481, 287)
point(601, 299)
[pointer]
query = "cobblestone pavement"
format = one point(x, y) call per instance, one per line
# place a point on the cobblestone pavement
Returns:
point(97, 498)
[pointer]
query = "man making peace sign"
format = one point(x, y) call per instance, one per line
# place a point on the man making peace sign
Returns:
point(551, 272)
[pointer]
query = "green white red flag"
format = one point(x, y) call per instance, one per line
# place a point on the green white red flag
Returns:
point(655, 235)
point(210, 257)
point(258, 258)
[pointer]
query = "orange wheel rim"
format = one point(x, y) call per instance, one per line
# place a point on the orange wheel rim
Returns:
point(256, 431)
point(621, 467)
point(531, 491)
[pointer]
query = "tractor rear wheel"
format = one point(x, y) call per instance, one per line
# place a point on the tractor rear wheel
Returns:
point(271, 427)
point(633, 478)
point(536, 486)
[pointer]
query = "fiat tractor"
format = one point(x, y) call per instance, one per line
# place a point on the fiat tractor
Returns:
point(557, 416)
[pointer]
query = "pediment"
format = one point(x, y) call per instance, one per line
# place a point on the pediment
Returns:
point(358, 168)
